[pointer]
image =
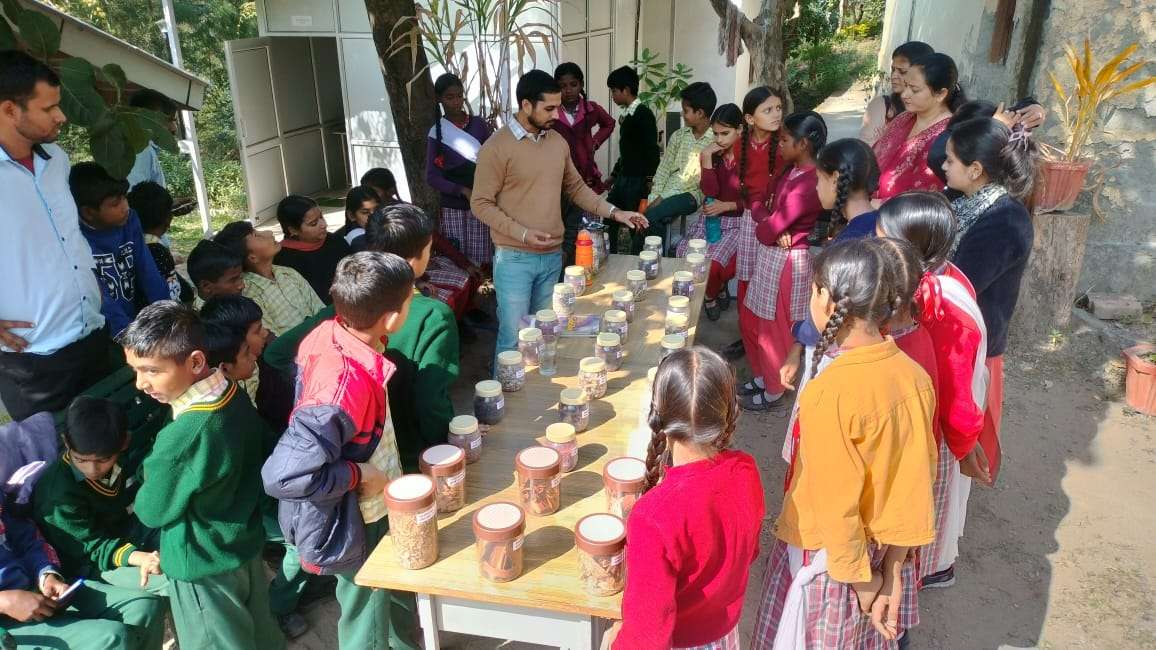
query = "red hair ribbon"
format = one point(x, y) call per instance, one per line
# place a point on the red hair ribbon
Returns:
point(929, 298)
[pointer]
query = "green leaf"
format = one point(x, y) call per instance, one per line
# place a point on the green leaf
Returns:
point(40, 34)
point(12, 9)
point(110, 148)
point(78, 97)
point(135, 134)
point(114, 74)
point(7, 36)
point(157, 127)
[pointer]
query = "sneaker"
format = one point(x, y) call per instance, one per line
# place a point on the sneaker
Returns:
point(735, 351)
point(758, 403)
point(712, 309)
point(941, 580)
point(292, 625)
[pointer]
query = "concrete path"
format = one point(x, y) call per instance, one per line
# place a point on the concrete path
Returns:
point(843, 112)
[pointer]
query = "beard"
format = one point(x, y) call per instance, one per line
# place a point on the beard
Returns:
point(37, 136)
point(545, 125)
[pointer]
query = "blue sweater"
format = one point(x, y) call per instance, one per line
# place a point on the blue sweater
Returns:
point(125, 270)
point(24, 554)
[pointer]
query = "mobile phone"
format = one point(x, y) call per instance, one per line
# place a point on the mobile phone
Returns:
point(66, 598)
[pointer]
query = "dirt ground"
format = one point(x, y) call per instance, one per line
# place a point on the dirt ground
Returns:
point(1057, 555)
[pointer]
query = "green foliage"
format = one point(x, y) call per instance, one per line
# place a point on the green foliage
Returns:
point(660, 85)
point(860, 31)
point(821, 68)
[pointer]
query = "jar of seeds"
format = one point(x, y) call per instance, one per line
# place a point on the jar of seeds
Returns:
point(624, 480)
point(652, 243)
point(465, 435)
point(699, 246)
point(678, 305)
point(511, 371)
point(498, 531)
point(530, 345)
point(677, 324)
point(601, 542)
point(574, 408)
point(623, 300)
point(636, 284)
point(539, 472)
point(648, 264)
point(575, 276)
point(592, 376)
point(683, 284)
point(608, 347)
point(413, 525)
point(614, 320)
point(670, 344)
point(446, 465)
point(489, 404)
point(560, 437)
point(699, 266)
point(547, 321)
point(563, 300)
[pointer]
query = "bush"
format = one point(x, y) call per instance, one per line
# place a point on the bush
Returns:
point(820, 68)
point(860, 31)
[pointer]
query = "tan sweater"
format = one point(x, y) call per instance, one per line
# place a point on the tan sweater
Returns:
point(519, 185)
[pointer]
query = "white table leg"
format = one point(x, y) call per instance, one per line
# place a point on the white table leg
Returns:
point(429, 621)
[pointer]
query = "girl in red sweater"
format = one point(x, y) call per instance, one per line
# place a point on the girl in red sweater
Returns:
point(692, 537)
point(779, 289)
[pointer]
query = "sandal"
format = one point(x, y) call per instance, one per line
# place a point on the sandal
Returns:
point(713, 311)
point(758, 403)
point(748, 389)
point(735, 351)
point(723, 299)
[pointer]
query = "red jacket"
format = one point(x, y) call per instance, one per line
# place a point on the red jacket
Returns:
point(919, 345)
point(794, 209)
point(584, 141)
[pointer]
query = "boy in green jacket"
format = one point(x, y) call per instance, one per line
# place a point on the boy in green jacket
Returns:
point(202, 485)
point(425, 350)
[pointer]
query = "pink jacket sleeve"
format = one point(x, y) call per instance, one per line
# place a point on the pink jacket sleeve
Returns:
point(605, 124)
point(648, 609)
point(798, 205)
point(709, 183)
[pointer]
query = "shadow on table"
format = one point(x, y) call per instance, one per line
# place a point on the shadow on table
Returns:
point(456, 537)
point(589, 453)
point(579, 486)
point(544, 545)
point(601, 412)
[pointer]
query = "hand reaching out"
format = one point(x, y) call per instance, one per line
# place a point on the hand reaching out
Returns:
point(10, 340)
point(976, 466)
point(635, 220)
point(24, 606)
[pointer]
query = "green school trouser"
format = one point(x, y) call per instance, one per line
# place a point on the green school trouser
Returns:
point(102, 617)
point(128, 577)
point(227, 611)
point(667, 210)
point(374, 619)
point(290, 579)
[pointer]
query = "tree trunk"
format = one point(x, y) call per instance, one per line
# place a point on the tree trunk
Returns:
point(766, 46)
point(1049, 285)
point(842, 12)
point(412, 108)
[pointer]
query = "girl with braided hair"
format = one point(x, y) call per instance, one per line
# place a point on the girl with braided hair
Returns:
point(451, 160)
point(693, 536)
point(777, 294)
point(859, 493)
point(848, 176)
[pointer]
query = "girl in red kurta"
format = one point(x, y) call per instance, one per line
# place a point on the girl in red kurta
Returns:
point(692, 537)
point(779, 290)
point(931, 94)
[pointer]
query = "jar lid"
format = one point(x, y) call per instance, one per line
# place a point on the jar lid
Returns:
point(510, 358)
point(591, 364)
point(562, 287)
point(573, 397)
point(636, 275)
point(463, 425)
point(673, 342)
point(624, 474)
point(442, 460)
point(488, 388)
point(410, 493)
point(652, 240)
point(529, 334)
point(651, 374)
point(545, 316)
point(677, 318)
point(600, 534)
point(694, 244)
point(560, 432)
point(538, 462)
point(679, 303)
point(576, 271)
point(614, 316)
point(683, 276)
point(695, 258)
point(648, 256)
point(623, 295)
point(609, 339)
point(498, 522)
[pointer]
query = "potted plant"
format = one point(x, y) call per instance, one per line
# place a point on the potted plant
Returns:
point(1084, 107)
point(1140, 382)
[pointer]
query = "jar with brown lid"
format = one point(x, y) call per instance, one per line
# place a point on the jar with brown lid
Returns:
point(446, 465)
point(624, 479)
point(601, 542)
point(498, 531)
point(539, 480)
point(413, 525)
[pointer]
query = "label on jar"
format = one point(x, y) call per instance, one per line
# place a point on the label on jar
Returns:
point(520, 373)
point(427, 515)
point(475, 443)
point(556, 481)
point(501, 403)
point(616, 559)
point(572, 455)
point(518, 542)
point(456, 479)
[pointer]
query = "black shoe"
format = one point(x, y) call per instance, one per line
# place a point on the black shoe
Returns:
point(748, 389)
point(759, 404)
point(723, 299)
point(292, 625)
point(735, 351)
point(713, 311)
point(940, 580)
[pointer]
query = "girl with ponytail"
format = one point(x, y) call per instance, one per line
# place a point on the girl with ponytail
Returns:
point(451, 159)
point(931, 94)
point(848, 176)
point(777, 295)
point(693, 536)
point(859, 497)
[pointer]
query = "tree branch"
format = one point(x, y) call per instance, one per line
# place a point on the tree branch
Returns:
point(747, 27)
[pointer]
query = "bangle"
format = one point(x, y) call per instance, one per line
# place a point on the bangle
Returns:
point(525, 231)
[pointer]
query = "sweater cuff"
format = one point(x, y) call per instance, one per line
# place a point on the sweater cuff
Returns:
point(120, 555)
point(354, 475)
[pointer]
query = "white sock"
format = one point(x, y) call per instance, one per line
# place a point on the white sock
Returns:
point(759, 382)
point(770, 398)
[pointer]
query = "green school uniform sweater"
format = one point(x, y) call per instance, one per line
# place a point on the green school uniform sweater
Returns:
point(89, 523)
point(202, 487)
point(427, 355)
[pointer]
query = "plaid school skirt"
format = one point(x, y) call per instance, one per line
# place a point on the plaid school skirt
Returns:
point(728, 642)
point(748, 248)
point(763, 291)
point(468, 234)
point(950, 493)
point(833, 618)
point(446, 277)
point(723, 250)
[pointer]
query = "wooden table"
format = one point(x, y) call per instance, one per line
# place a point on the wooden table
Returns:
point(547, 604)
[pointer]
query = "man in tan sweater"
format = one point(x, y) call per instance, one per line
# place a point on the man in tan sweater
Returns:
point(523, 170)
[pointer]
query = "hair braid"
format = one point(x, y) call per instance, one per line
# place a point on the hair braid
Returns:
point(438, 127)
point(772, 153)
point(843, 190)
point(830, 331)
point(743, 162)
point(656, 453)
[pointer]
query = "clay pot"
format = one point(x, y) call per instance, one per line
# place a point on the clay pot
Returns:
point(1060, 184)
point(1140, 381)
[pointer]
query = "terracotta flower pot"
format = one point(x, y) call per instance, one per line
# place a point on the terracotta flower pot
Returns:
point(1140, 382)
point(1061, 184)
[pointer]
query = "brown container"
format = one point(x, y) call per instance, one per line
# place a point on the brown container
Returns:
point(624, 480)
point(498, 534)
point(446, 465)
point(1140, 381)
point(1060, 184)
point(601, 542)
point(539, 472)
point(413, 522)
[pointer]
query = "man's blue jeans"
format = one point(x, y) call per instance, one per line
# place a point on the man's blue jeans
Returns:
point(524, 283)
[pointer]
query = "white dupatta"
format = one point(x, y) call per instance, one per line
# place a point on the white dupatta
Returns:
point(464, 144)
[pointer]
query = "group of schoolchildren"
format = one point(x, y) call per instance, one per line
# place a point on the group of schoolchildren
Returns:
point(335, 354)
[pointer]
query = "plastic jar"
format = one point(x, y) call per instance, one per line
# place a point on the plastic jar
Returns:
point(499, 533)
point(413, 524)
point(548, 360)
point(670, 344)
point(648, 264)
point(699, 246)
point(677, 324)
point(489, 404)
point(547, 321)
point(575, 276)
point(652, 243)
point(530, 345)
point(511, 371)
point(678, 305)
point(574, 408)
point(563, 300)
point(614, 320)
point(636, 284)
point(592, 376)
point(624, 480)
point(560, 437)
point(623, 300)
point(601, 542)
point(699, 266)
point(465, 435)
point(683, 284)
point(539, 480)
point(446, 465)
point(608, 347)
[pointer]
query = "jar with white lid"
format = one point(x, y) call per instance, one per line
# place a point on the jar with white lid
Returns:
point(575, 276)
point(560, 437)
point(592, 376)
point(465, 435)
point(530, 345)
point(563, 300)
point(511, 371)
point(648, 264)
point(697, 246)
point(623, 300)
point(489, 404)
point(677, 324)
point(652, 243)
point(670, 344)
point(699, 266)
point(636, 284)
point(574, 408)
point(614, 320)
point(683, 284)
point(608, 347)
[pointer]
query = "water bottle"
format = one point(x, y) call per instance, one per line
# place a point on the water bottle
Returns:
point(713, 224)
